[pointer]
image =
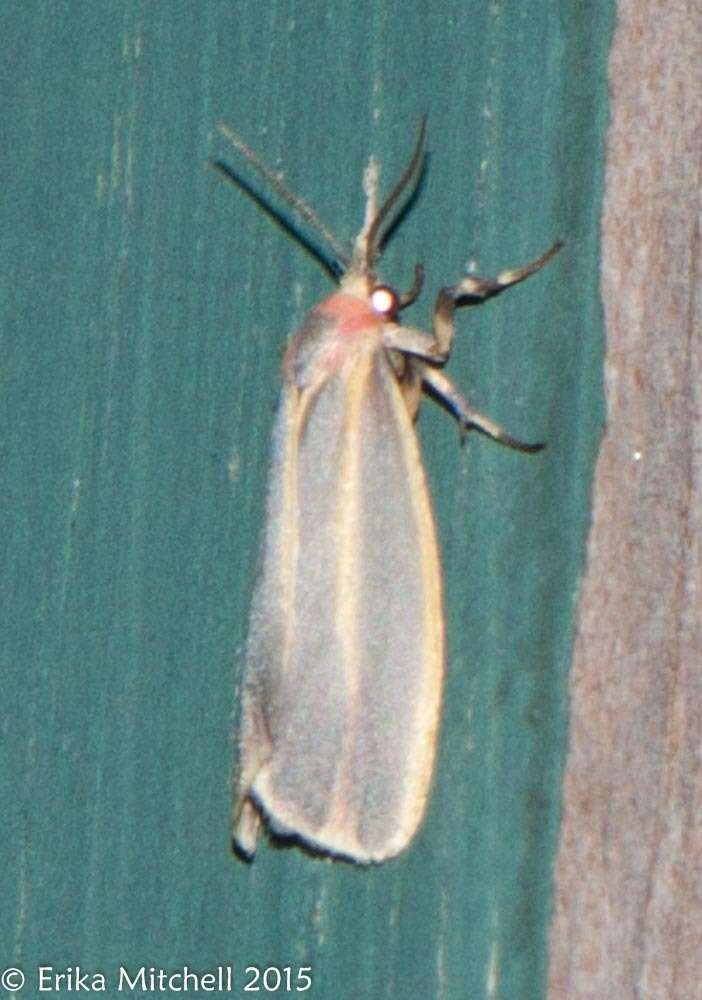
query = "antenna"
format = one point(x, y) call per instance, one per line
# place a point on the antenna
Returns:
point(373, 241)
point(300, 207)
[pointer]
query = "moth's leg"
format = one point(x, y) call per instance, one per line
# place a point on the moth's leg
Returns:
point(407, 298)
point(442, 387)
point(410, 340)
point(435, 347)
point(473, 290)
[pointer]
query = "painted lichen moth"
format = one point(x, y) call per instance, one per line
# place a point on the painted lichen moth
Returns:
point(344, 662)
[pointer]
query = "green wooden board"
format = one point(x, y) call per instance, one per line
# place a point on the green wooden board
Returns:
point(144, 308)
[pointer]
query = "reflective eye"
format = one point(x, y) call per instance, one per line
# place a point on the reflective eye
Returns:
point(384, 301)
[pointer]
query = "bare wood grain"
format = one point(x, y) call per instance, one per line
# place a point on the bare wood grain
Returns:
point(628, 907)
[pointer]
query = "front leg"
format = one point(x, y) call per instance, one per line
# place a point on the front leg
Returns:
point(471, 290)
point(435, 347)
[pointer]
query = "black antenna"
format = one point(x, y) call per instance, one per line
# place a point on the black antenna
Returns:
point(373, 242)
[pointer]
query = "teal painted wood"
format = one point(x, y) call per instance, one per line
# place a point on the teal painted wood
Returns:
point(144, 308)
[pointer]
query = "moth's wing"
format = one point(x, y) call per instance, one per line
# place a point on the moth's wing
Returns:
point(270, 623)
point(345, 656)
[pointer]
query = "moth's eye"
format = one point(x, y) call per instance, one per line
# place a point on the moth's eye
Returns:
point(384, 301)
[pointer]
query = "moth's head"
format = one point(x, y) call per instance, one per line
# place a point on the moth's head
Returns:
point(355, 271)
point(383, 299)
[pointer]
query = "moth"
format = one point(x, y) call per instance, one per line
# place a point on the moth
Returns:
point(344, 664)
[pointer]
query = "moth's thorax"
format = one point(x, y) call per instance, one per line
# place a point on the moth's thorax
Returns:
point(339, 328)
point(348, 316)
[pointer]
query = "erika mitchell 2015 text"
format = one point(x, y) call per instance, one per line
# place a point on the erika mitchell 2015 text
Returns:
point(149, 979)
